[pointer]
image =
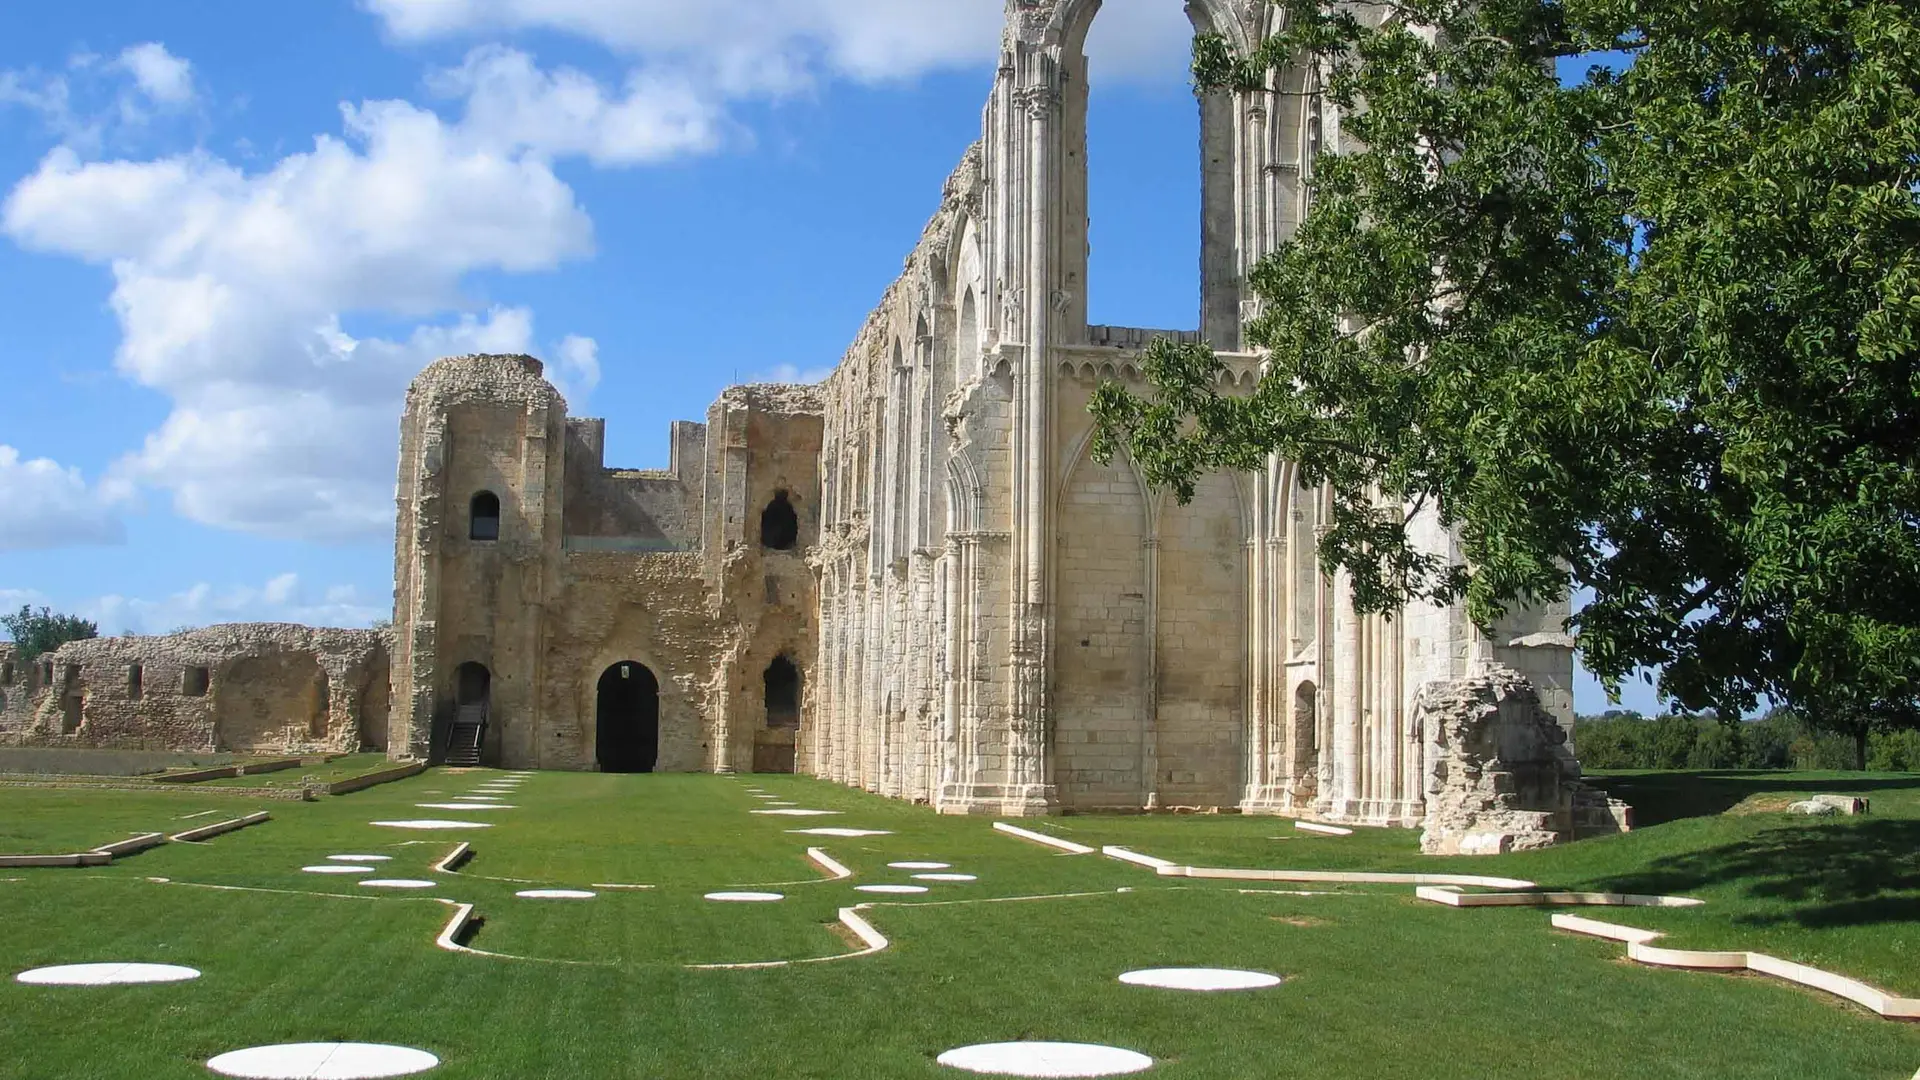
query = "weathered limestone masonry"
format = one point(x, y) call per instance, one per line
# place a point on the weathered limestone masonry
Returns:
point(600, 618)
point(270, 687)
point(1499, 774)
point(1009, 627)
point(914, 578)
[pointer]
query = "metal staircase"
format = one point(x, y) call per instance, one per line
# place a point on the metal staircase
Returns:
point(469, 730)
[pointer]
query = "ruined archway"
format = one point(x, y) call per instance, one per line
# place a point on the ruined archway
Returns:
point(627, 719)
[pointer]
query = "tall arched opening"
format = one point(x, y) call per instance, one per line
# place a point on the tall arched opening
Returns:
point(472, 709)
point(627, 719)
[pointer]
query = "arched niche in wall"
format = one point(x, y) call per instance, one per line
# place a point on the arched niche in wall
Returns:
point(483, 517)
point(782, 685)
point(779, 523)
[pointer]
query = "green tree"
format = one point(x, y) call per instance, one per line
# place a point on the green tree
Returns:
point(36, 632)
point(1655, 335)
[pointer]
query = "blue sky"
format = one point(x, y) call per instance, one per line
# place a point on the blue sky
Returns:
point(230, 232)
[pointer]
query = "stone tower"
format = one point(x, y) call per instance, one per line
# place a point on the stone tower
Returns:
point(476, 553)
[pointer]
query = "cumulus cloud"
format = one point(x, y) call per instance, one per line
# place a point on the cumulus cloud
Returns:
point(758, 46)
point(231, 288)
point(575, 370)
point(512, 105)
point(284, 598)
point(94, 102)
point(45, 505)
point(160, 75)
point(790, 373)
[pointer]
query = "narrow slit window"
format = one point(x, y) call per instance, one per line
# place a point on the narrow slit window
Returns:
point(6, 673)
point(136, 677)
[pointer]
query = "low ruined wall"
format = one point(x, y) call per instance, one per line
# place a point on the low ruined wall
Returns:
point(244, 687)
point(1500, 776)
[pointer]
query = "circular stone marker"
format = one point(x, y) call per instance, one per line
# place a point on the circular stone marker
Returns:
point(336, 868)
point(899, 890)
point(840, 832)
point(105, 975)
point(323, 1061)
point(796, 813)
point(1200, 979)
point(945, 877)
point(464, 806)
point(1046, 1059)
point(359, 858)
point(919, 865)
point(745, 897)
point(433, 824)
point(395, 883)
point(555, 894)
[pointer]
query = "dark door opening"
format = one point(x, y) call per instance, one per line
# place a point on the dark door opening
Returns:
point(627, 719)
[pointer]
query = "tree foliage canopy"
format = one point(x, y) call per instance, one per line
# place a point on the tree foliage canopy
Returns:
point(37, 632)
point(1655, 335)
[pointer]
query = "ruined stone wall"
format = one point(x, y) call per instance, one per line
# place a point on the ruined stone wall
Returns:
point(653, 610)
point(766, 451)
point(1499, 776)
point(638, 510)
point(263, 688)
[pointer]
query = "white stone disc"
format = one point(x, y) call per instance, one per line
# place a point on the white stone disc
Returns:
point(1200, 979)
point(336, 868)
point(1046, 1059)
point(745, 897)
point(433, 824)
point(945, 877)
point(796, 813)
point(555, 894)
point(783, 804)
point(840, 832)
point(897, 890)
point(359, 858)
point(323, 1061)
point(463, 806)
point(395, 883)
point(920, 865)
point(105, 975)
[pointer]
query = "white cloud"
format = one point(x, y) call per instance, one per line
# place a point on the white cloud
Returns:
point(160, 75)
point(790, 373)
point(759, 46)
point(43, 505)
point(231, 288)
point(575, 371)
point(512, 105)
point(281, 599)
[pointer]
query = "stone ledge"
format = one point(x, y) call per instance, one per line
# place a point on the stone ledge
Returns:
point(1454, 898)
point(221, 828)
point(1067, 846)
point(1469, 881)
point(1640, 949)
point(374, 779)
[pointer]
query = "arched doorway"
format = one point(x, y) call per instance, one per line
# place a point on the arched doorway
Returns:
point(472, 708)
point(627, 719)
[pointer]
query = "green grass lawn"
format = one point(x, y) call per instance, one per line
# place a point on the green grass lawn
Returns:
point(1379, 986)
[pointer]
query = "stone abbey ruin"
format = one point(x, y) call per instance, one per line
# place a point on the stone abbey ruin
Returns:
point(912, 577)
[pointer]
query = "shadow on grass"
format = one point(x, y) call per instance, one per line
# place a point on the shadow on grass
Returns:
point(1661, 797)
point(1831, 875)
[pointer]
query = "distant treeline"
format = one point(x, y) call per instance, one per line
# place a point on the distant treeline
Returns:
point(1622, 739)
